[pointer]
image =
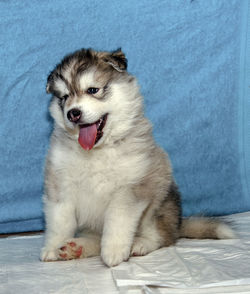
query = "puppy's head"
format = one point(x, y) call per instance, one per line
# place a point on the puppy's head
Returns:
point(94, 98)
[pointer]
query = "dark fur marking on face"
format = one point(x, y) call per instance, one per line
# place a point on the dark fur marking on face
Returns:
point(110, 64)
point(106, 92)
point(61, 103)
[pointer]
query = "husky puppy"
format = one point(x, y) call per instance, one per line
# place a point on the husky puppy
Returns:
point(109, 189)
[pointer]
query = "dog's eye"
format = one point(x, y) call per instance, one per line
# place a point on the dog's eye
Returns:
point(65, 97)
point(92, 90)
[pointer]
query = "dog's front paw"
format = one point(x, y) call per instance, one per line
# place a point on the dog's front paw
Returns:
point(114, 254)
point(48, 254)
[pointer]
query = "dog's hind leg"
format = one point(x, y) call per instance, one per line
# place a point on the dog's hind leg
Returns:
point(159, 227)
point(154, 233)
point(147, 240)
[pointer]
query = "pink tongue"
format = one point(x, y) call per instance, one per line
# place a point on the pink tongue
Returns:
point(87, 136)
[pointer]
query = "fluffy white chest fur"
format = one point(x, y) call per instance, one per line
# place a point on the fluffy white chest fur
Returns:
point(90, 180)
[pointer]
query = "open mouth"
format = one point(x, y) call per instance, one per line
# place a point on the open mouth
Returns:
point(90, 134)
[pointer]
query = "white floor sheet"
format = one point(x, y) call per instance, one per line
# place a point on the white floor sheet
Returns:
point(192, 266)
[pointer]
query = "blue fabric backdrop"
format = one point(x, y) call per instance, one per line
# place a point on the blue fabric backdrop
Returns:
point(190, 59)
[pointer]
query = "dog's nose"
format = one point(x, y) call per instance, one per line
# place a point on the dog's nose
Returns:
point(74, 115)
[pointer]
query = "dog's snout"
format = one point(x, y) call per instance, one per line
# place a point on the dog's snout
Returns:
point(74, 115)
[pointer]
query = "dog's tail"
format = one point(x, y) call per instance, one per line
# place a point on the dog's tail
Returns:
point(205, 228)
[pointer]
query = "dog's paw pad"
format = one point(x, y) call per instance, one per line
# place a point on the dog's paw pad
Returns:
point(63, 255)
point(71, 250)
point(72, 244)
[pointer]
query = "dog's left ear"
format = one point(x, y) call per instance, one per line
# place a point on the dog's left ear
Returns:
point(49, 83)
point(117, 60)
point(50, 87)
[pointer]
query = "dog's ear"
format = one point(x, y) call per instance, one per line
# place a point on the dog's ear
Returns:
point(50, 80)
point(117, 60)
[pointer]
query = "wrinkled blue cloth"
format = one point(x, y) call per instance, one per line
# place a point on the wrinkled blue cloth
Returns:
point(191, 61)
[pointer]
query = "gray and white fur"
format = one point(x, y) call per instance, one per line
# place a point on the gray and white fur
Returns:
point(116, 198)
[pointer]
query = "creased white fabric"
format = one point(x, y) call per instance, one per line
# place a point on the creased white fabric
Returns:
point(192, 266)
